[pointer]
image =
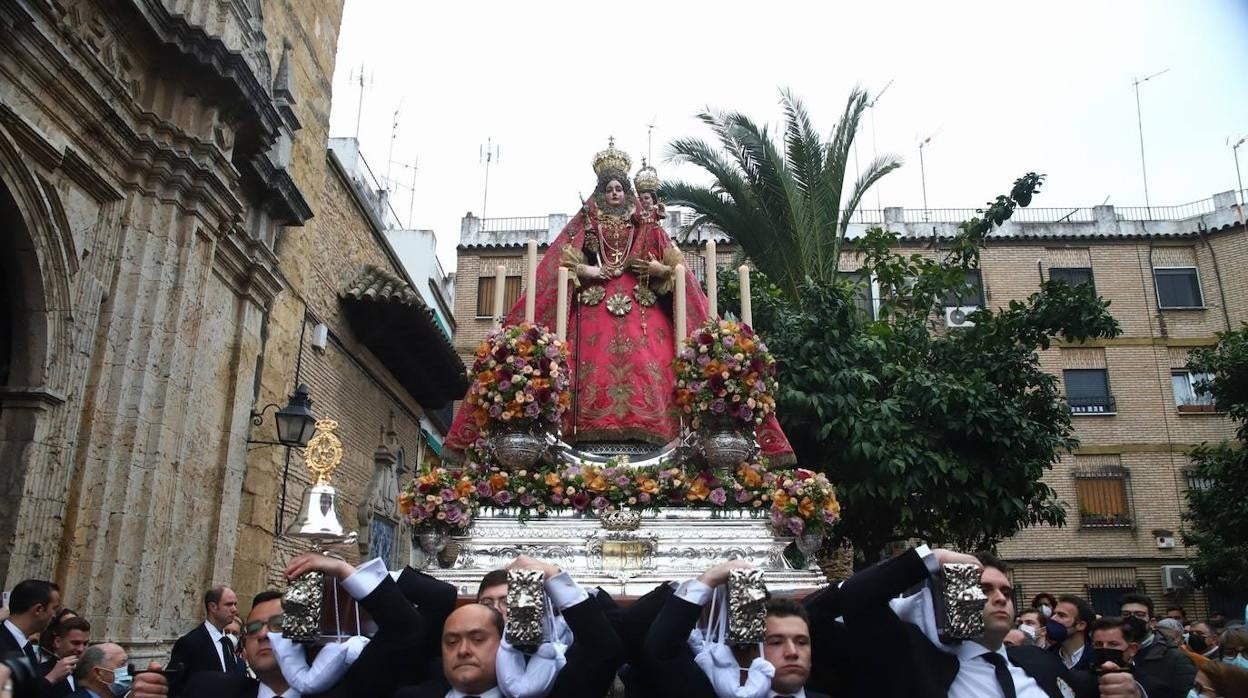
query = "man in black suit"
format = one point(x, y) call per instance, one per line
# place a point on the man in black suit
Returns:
point(1068, 631)
point(33, 604)
point(69, 639)
point(384, 665)
point(206, 648)
point(668, 657)
point(99, 669)
point(472, 634)
point(918, 664)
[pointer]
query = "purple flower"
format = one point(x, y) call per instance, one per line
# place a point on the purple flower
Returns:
point(496, 410)
point(503, 497)
point(796, 525)
point(580, 500)
point(504, 386)
point(743, 496)
point(729, 341)
point(453, 514)
point(556, 498)
point(686, 353)
point(718, 496)
point(622, 481)
point(552, 351)
point(526, 500)
point(644, 497)
point(532, 410)
point(703, 359)
point(601, 502)
point(448, 495)
point(574, 471)
point(484, 489)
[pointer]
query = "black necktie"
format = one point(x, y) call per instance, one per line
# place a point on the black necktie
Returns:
point(29, 651)
point(1003, 673)
point(227, 651)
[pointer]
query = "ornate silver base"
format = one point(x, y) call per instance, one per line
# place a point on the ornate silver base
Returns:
point(673, 545)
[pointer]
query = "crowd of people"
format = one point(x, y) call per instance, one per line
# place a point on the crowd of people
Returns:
point(879, 633)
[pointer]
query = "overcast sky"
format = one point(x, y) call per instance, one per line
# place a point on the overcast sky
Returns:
point(1002, 88)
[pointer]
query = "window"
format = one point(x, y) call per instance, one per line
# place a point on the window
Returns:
point(1103, 501)
point(1186, 398)
point(1072, 276)
point(485, 295)
point(1178, 287)
point(1087, 391)
point(862, 291)
point(971, 292)
point(1195, 481)
point(1108, 600)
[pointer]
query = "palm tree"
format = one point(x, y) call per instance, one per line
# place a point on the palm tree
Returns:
point(786, 209)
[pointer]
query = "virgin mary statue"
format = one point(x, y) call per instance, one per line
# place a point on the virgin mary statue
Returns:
point(622, 266)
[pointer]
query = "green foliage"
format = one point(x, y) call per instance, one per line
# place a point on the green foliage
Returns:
point(931, 434)
point(1217, 513)
point(783, 203)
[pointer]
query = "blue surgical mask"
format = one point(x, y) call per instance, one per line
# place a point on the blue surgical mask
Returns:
point(1055, 631)
point(121, 682)
point(1240, 661)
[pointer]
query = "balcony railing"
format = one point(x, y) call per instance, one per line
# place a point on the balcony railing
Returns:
point(1104, 520)
point(1092, 404)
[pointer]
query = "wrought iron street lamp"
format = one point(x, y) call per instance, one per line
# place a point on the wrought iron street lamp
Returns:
point(295, 421)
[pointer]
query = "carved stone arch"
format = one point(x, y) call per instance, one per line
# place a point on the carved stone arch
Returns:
point(37, 268)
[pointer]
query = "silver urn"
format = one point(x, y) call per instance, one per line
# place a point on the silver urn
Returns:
point(517, 449)
point(725, 443)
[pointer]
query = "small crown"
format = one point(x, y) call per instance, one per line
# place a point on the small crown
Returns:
point(647, 178)
point(612, 159)
point(323, 453)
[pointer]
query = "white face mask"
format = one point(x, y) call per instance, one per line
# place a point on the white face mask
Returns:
point(1046, 609)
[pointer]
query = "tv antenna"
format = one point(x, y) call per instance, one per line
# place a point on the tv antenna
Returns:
point(874, 154)
point(650, 139)
point(411, 204)
point(487, 154)
point(360, 76)
point(1139, 122)
point(394, 132)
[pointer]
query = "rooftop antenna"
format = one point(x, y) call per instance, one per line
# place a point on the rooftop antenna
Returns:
point(1139, 121)
point(411, 203)
point(359, 110)
point(874, 153)
point(487, 154)
point(650, 139)
point(394, 132)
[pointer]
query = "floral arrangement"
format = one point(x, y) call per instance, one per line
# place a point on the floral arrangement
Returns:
point(797, 501)
point(520, 377)
point(724, 369)
point(440, 500)
point(803, 502)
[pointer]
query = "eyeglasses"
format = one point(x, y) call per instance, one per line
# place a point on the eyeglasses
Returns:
point(498, 604)
point(273, 623)
point(1230, 652)
point(1204, 690)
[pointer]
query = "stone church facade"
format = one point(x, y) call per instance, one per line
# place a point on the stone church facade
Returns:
point(161, 277)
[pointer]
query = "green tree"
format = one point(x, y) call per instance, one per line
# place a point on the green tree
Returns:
point(931, 434)
point(1217, 515)
point(784, 204)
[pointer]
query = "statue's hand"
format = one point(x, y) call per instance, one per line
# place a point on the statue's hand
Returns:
point(588, 272)
point(651, 267)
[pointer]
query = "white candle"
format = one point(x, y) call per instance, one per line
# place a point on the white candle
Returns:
point(747, 315)
point(500, 282)
point(679, 293)
point(530, 283)
point(561, 305)
point(712, 282)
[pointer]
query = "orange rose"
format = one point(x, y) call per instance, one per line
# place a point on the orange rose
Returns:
point(749, 476)
point(780, 498)
point(648, 485)
point(405, 503)
point(552, 479)
point(698, 491)
point(806, 508)
point(597, 484)
point(498, 481)
point(464, 487)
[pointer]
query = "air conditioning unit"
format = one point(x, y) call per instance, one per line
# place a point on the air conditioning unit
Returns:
point(1165, 542)
point(1176, 577)
point(956, 316)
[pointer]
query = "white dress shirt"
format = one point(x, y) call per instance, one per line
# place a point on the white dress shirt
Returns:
point(17, 634)
point(492, 693)
point(1074, 657)
point(266, 692)
point(977, 678)
point(216, 636)
point(799, 693)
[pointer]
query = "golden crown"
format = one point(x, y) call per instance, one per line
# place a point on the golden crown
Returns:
point(612, 159)
point(647, 178)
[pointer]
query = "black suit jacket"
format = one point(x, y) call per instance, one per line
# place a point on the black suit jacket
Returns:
point(9, 646)
point(912, 665)
point(196, 653)
point(593, 657)
point(434, 600)
point(59, 689)
point(631, 624)
point(668, 658)
point(384, 665)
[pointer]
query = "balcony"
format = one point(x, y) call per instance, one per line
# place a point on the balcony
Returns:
point(1092, 404)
